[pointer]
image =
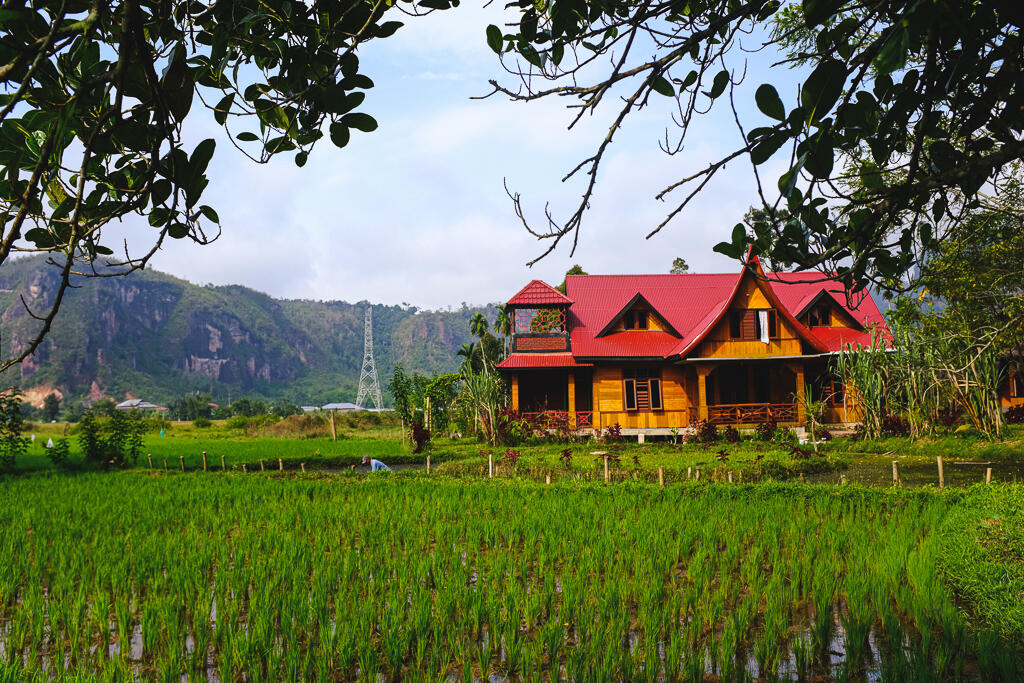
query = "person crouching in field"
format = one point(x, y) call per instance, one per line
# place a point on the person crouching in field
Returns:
point(375, 464)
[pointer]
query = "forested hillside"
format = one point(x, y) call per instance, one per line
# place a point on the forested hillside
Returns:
point(154, 336)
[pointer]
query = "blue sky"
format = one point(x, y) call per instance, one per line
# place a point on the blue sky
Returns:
point(416, 212)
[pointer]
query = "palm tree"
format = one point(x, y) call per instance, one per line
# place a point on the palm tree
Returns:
point(478, 327)
point(467, 351)
point(503, 325)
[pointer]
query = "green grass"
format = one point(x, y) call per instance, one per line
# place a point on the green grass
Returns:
point(116, 576)
point(966, 445)
point(983, 557)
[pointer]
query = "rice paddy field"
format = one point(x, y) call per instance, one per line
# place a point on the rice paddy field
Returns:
point(222, 576)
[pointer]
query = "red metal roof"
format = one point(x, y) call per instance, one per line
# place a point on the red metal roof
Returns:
point(692, 305)
point(541, 360)
point(538, 293)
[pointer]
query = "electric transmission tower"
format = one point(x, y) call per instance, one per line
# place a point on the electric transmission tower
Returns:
point(368, 385)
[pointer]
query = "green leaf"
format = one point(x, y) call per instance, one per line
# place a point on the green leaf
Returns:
point(41, 238)
point(494, 38)
point(822, 88)
point(661, 86)
point(209, 213)
point(246, 136)
point(363, 122)
point(788, 180)
point(718, 85)
point(177, 230)
point(768, 101)
point(388, 28)
point(893, 55)
point(301, 158)
point(201, 156)
point(339, 134)
point(763, 150)
point(220, 112)
point(817, 11)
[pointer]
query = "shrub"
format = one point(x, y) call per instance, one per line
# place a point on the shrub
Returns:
point(511, 457)
point(784, 436)
point(824, 434)
point(420, 437)
point(201, 422)
point(705, 432)
point(59, 454)
point(612, 434)
point(949, 417)
point(765, 431)
point(894, 425)
point(304, 426)
point(1015, 415)
point(566, 456)
point(732, 435)
point(237, 422)
point(12, 444)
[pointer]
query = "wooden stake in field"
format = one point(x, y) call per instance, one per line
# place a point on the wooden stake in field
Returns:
point(428, 464)
point(262, 468)
point(182, 458)
point(204, 461)
point(803, 479)
point(988, 475)
point(942, 476)
point(222, 467)
point(490, 464)
point(729, 476)
point(334, 430)
point(697, 478)
point(303, 466)
point(280, 465)
point(895, 473)
point(661, 476)
point(547, 479)
point(842, 480)
point(165, 464)
point(244, 470)
point(606, 469)
point(149, 456)
point(689, 472)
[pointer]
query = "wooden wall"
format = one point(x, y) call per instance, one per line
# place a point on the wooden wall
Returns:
point(719, 343)
point(654, 321)
point(608, 400)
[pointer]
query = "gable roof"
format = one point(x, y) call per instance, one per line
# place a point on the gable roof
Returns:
point(539, 293)
point(692, 304)
point(629, 304)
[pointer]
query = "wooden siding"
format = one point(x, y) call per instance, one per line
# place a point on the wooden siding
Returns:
point(720, 344)
point(609, 408)
point(1006, 397)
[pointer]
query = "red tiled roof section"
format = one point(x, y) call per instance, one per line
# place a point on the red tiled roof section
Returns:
point(539, 293)
point(541, 360)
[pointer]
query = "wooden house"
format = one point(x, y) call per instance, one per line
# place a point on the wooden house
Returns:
point(655, 353)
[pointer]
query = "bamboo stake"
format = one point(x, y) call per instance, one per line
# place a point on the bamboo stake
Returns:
point(244, 470)
point(428, 464)
point(182, 458)
point(606, 469)
point(698, 475)
point(730, 477)
point(842, 480)
point(490, 465)
point(204, 461)
point(942, 475)
point(688, 472)
point(988, 475)
point(661, 476)
point(280, 465)
point(149, 456)
point(547, 479)
point(303, 466)
point(895, 473)
point(222, 467)
point(165, 464)
point(261, 465)
point(334, 431)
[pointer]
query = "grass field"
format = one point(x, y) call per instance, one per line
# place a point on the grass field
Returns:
point(402, 577)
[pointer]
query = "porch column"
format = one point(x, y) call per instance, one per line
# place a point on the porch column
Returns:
point(572, 400)
point(801, 398)
point(702, 391)
point(515, 391)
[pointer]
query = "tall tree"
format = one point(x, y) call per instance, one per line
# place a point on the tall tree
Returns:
point(905, 111)
point(95, 95)
point(679, 266)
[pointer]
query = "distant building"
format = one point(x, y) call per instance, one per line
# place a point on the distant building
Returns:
point(137, 404)
point(343, 407)
point(309, 409)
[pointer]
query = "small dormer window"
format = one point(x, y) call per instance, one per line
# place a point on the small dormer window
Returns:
point(635, 320)
point(820, 316)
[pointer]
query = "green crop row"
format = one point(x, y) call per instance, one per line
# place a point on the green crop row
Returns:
point(408, 578)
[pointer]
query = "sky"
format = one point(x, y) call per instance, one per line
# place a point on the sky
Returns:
point(417, 212)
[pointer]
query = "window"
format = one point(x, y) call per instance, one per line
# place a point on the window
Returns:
point(838, 392)
point(539, 321)
point(747, 324)
point(642, 389)
point(635, 320)
point(820, 316)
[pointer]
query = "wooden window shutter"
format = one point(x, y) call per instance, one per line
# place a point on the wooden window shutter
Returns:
point(749, 325)
point(655, 394)
point(630, 390)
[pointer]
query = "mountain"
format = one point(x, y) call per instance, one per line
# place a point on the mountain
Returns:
point(154, 336)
